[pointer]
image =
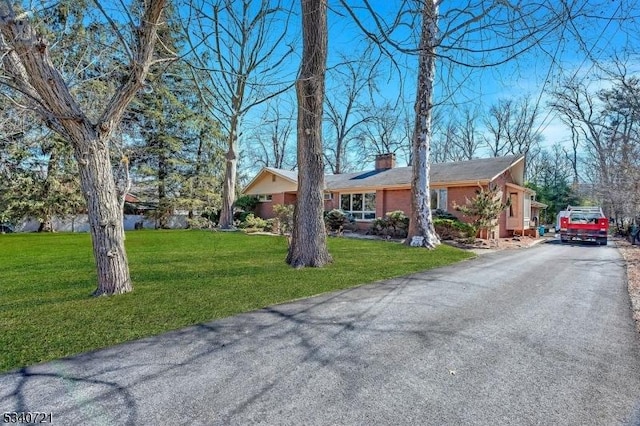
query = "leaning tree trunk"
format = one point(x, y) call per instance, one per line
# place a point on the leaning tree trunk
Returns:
point(309, 238)
point(421, 232)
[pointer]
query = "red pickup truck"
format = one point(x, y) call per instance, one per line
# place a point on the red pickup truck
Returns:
point(583, 223)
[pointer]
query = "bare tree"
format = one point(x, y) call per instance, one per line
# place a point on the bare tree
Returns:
point(468, 140)
point(270, 141)
point(604, 125)
point(572, 153)
point(30, 71)
point(309, 238)
point(442, 144)
point(513, 126)
point(347, 107)
point(578, 106)
point(496, 125)
point(459, 141)
point(621, 109)
point(383, 132)
point(242, 46)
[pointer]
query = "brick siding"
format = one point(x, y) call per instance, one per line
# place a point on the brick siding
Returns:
point(397, 199)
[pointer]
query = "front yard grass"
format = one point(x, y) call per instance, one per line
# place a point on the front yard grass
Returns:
point(180, 278)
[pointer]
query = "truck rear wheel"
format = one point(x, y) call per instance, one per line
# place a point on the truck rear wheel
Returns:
point(602, 241)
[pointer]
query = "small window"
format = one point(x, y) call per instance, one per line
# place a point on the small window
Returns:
point(273, 178)
point(328, 196)
point(438, 199)
point(370, 202)
point(513, 204)
point(345, 202)
point(442, 199)
point(265, 197)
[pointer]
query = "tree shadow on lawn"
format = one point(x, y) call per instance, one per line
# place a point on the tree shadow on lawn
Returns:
point(228, 369)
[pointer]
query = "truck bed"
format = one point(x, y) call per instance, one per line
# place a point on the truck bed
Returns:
point(595, 230)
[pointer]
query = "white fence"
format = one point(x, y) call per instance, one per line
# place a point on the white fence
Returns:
point(80, 223)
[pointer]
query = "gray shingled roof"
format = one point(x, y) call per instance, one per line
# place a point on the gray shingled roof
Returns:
point(398, 176)
point(480, 169)
point(483, 169)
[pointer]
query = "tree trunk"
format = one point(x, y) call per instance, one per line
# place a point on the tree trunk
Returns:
point(33, 74)
point(105, 215)
point(46, 225)
point(309, 238)
point(229, 186)
point(338, 168)
point(231, 170)
point(195, 186)
point(163, 202)
point(421, 231)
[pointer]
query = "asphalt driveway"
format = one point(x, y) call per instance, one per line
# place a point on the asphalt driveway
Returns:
point(533, 336)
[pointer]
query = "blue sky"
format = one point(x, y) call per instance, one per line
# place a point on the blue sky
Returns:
point(608, 28)
point(605, 28)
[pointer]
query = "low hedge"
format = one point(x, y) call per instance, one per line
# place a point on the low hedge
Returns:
point(450, 229)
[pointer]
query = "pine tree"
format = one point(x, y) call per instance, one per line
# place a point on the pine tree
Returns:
point(484, 209)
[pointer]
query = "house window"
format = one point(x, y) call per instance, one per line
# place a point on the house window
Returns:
point(362, 206)
point(439, 199)
point(328, 196)
point(265, 197)
point(513, 204)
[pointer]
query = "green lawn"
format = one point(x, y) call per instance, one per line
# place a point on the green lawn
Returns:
point(180, 278)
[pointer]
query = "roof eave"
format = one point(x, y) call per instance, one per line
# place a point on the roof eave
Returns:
point(261, 173)
point(368, 188)
point(458, 183)
point(513, 163)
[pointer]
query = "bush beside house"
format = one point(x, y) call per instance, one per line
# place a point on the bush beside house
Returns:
point(393, 224)
point(281, 224)
point(337, 221)
point(484, 209)
point(454, 229)
point(283, 220)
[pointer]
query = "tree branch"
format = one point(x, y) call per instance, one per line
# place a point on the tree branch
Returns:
point(146, 36)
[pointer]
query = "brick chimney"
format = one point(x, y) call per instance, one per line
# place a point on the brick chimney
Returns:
point(385, 161)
